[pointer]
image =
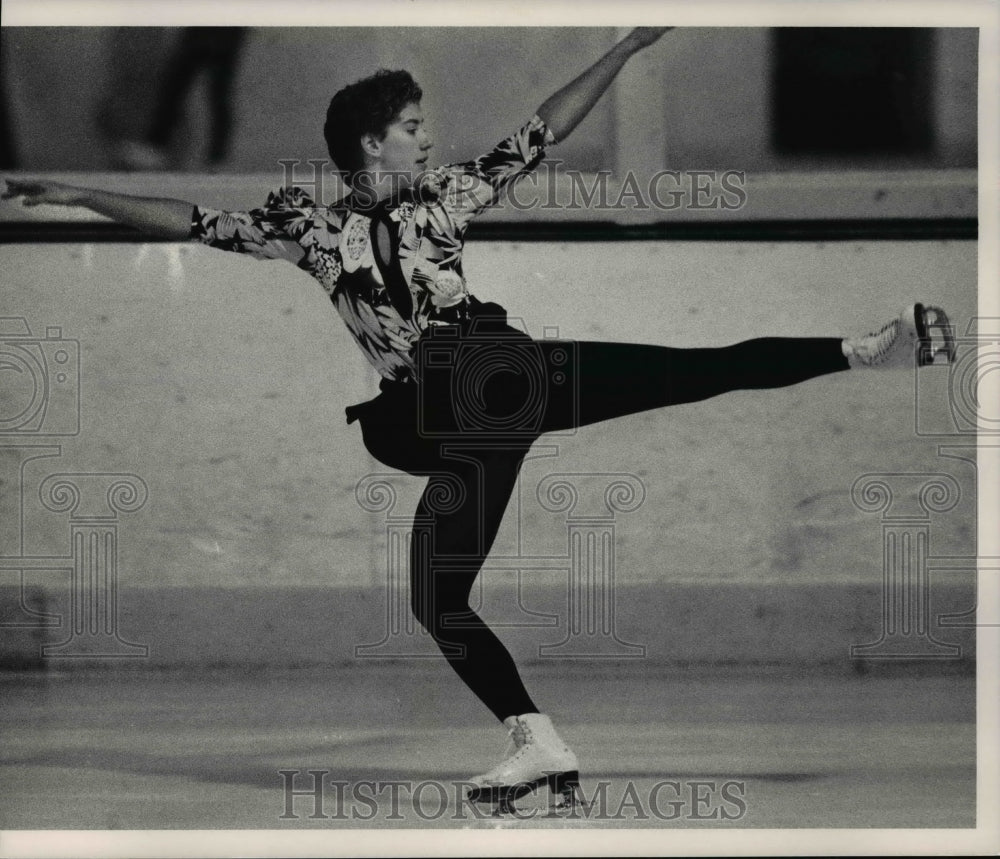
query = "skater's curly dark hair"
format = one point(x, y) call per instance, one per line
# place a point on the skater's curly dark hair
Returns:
point(367, 106)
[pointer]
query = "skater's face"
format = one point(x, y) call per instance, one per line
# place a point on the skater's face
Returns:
point(404, 148)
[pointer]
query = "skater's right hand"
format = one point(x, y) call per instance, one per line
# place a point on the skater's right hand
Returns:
point(38, 191)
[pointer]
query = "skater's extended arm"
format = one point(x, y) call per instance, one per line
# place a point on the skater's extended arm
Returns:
point(564, 110)
point(162, 217)
point(557, 117)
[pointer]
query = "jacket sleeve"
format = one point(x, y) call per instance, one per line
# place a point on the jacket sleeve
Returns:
point(475, 185)
point(270, 232)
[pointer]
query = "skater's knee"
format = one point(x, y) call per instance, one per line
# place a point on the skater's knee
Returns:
point(438, 615)
point(421, 611)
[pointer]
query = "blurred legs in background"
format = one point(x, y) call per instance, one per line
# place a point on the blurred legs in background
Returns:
point(8, 149)
point(212, 50)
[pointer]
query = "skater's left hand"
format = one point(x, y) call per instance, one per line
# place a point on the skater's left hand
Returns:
point(38, 191)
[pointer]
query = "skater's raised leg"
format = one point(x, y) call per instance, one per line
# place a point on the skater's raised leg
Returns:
point(617, 379)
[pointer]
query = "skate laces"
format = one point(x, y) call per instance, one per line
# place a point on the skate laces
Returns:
point(519, 739)
point(879, 344)
point(529, 755)
point(520, 734)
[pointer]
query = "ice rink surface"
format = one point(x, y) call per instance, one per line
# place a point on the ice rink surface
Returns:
point(140, 750)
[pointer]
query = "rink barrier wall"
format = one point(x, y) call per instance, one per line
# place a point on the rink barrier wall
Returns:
point(813, 206)
point(884, 229)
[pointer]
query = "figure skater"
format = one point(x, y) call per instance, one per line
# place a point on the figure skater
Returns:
point(389, 255)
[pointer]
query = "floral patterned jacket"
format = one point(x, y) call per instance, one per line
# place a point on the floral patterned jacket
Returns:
point(386, 299)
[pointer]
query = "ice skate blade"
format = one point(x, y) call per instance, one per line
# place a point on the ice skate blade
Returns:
point(561, 809)
point(563, 786)
point(566, 805)
point(936, 336)
point(501, 793)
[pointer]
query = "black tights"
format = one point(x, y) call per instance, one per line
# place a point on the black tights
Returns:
point(471, 476)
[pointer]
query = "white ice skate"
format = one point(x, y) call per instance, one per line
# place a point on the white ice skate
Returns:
point(540, 757)
point(921, 335)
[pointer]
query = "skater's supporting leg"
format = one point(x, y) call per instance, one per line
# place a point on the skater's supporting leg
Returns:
point(455, 525)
